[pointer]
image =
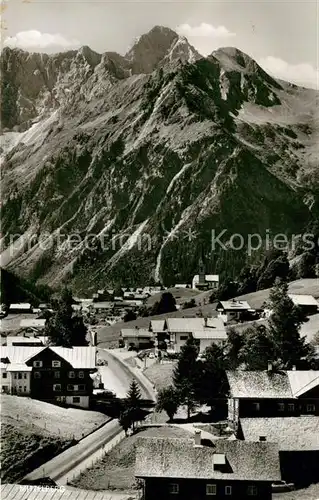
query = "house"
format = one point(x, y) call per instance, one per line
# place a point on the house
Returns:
point(136, 338)
point(272, 394)
point(100, 307)
point(183, 468)
point(20, 308)
point(233, 310)
point(32, 323)
point(306, 302)
point(23, 341)
point(206, 330)
point(52, 374)
point(298, 443)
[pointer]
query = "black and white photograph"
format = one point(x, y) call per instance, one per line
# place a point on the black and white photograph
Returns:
point(159, 310)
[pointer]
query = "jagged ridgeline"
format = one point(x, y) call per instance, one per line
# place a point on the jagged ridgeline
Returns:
point(151, 151)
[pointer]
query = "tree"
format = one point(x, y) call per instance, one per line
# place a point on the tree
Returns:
point(63, 328)
point(185, 374)
point(166, 304)
point(211, 383)
point(276, 266)
point(235, 342)
point(168, 401)
point(258, 348)
point(188, 305)
point(129, 316)
point(125, 420)
point(133, 403)
point(284, 327)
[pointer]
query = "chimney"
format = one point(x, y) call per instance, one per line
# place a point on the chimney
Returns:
point(197, 437)
point(269, 369)
point(205, 321)
point(262, 438)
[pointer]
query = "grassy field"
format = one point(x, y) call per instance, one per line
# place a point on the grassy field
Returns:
point(116, 469)
point(32, 432)
point(306, 286)
point(160, 374)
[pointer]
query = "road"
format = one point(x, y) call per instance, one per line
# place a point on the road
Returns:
point(79, 457)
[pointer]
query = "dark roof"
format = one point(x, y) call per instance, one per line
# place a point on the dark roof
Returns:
point(270, 384)
point(180, 458)
point(291, 433)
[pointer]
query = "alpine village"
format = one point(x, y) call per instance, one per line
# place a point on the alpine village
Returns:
point(177, 360)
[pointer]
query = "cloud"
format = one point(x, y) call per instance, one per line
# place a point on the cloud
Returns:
point(34, 39)
point(301, 74)
point(204, 30)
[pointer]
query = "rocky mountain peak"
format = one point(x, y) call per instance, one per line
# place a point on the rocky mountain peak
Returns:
point(150, 49)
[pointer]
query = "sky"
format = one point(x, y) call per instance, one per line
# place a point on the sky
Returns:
point(282, 36)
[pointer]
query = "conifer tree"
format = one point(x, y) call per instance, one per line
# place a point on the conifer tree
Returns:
point(185, 374)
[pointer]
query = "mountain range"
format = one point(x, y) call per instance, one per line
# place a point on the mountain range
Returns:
point(119, 168)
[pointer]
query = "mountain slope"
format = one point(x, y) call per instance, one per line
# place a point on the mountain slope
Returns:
point(149, 153)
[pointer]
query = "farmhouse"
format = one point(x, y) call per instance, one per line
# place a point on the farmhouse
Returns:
point(20, 308)
point(205, 330)
point(32, 323)
point(53, 374)
point(268, 393)
point(23, 341)
point(136, 338)
point(306, 302)
point(236, 310)
point(183, 468)
point(298, 443)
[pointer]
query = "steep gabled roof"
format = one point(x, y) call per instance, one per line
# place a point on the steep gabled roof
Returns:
point(78, 357)
point(302, 381)
point(269, 384)
point(291, 433)
point(157, 325)
point(258, 384)
point(179, 458)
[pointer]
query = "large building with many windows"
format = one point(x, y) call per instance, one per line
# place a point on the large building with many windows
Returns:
point(53, 374)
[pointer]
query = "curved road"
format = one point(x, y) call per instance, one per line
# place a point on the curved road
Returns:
point(75, 459)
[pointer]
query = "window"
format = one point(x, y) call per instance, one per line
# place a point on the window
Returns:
point(81, 374)
point(37, 364)
point(56, 374)
point(56, 364)
point(311, 408)
point(291, 407)
point(70, 387)
point(37, 375)
point(174, 488)
point(15, 375)
point(19, 376)
point(252, 490)
point(228, 490)
point(184, 337)
point(20, 387)
point(211, 489)
point(24, 375)
point(256, 407)
point(81, 387)
point(76, 399)
point(4, 375)
point(24, 388)
point(71, 375)
point(57, 387)
point(281, 406)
